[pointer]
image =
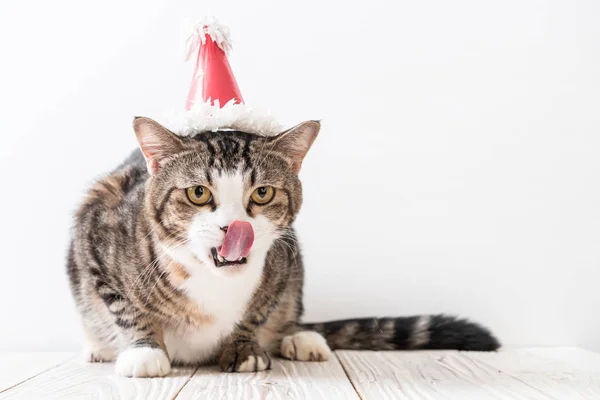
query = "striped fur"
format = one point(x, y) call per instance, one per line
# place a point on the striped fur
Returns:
point(430, 332)
point(145, 287)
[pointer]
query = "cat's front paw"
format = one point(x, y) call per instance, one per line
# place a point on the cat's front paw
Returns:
point(244, 357)
point(305, 346)
point(141, 362)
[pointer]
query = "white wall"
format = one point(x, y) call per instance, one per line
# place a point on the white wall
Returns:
point(457, 170)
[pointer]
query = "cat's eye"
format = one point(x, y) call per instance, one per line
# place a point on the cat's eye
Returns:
point(263, 195)
point(199, 195)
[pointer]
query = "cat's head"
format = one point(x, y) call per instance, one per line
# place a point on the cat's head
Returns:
point(221, 199)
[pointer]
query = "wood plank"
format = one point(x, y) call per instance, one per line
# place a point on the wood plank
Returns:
point(463, 375)
point(18, 367)
point(77, 379)
point(562, 373)
point(287, 380)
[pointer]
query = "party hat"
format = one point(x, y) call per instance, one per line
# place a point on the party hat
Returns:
point(214, 100)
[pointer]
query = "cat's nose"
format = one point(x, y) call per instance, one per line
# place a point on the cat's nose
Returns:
point(224, 228)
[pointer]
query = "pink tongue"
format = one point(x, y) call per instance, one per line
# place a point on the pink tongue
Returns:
point(238, 240)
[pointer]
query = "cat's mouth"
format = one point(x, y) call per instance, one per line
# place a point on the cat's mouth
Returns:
point(237, 242)
point(222, 262)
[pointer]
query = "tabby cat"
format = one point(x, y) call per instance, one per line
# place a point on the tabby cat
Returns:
point(186, 254)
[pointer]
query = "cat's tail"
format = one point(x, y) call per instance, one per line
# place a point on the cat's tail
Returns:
point(406, 333)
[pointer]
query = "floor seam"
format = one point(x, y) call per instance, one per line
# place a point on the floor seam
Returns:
point(185, 383)
point(347, 375)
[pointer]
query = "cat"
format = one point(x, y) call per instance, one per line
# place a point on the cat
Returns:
point(186, 254)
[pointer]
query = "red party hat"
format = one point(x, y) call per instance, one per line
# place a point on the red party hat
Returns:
point(214, 101)
point(213, 80)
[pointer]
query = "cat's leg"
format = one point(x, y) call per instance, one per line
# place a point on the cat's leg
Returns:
point(305, 346)
point(145, 354)
point(242, 355)
point(241, 352)
point(139, 337)
point(142, 354)
point(143, 361)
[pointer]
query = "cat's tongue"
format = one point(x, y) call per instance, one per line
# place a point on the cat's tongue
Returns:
point(238, 240)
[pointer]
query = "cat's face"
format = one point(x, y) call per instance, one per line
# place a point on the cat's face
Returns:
point(221, 199)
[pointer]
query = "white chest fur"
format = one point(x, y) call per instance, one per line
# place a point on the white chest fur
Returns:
point(225, 298)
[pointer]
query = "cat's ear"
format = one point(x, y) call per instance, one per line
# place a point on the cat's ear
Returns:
point(296, 142)
point(156, 142)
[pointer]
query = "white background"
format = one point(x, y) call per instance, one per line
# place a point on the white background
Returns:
point(457, 169)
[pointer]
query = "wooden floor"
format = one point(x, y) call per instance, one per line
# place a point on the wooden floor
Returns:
point(527, 374)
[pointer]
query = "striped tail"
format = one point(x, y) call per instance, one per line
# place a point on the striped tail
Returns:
point(406, 333)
